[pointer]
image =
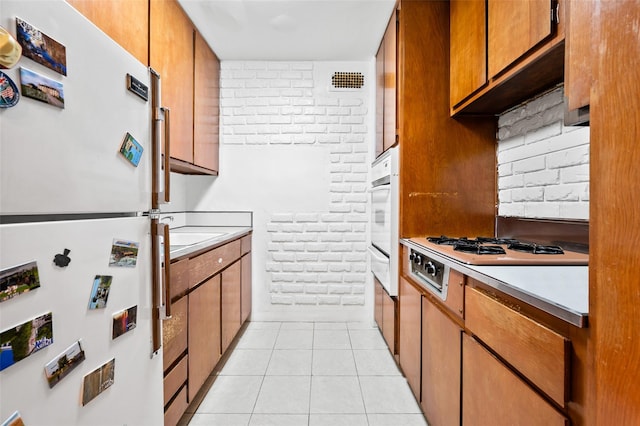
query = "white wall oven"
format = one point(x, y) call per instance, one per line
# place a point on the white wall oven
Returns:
point(384, 220)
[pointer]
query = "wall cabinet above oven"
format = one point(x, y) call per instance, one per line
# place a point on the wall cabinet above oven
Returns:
point(447, 166)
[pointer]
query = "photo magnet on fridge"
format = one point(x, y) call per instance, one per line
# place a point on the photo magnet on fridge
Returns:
point(40, 88)
point(59, 367)
point(131, 149)
point(19, 279)
point(98, 381)
point(25, 339)
point(124, 321)
point(124, 253)
point(14, 420)
point(41, 48)
point(100, 291)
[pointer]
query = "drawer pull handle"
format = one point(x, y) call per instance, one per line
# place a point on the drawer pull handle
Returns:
point(220, 260)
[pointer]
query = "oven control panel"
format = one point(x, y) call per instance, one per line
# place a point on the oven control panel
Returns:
point(430, 273)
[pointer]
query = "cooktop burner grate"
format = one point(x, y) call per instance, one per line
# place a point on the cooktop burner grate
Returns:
point(535, 248)
point(474, 247)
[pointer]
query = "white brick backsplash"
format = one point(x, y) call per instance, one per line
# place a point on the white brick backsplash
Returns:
point(543, 166)
point(308, 252)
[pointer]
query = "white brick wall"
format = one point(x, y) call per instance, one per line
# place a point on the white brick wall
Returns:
point(543, 166)
point(314, 258)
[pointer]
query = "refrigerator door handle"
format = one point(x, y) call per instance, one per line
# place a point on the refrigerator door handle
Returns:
point(165, 309)
point(161, 168)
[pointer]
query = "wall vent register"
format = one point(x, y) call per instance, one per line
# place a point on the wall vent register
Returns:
point(347, 80)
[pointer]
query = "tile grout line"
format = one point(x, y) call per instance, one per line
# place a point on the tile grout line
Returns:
point(264, 376)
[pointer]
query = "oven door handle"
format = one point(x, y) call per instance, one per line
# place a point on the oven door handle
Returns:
point(374, 253)
point(385, 187)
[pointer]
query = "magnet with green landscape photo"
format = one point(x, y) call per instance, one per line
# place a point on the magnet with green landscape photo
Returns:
point(18, 280)
point(58, 368)
point(25, 339)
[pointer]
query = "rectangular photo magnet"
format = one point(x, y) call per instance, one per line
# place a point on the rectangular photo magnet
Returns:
point(124, 321)
point(19, 279)
point(131, 149)
point(98, 381)
point(100, 291)
point(58, 368)
point(124, 253)
point(24, 340)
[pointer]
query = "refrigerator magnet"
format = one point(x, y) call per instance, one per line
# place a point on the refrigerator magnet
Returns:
point(62, 260)
point(136, 86)
point(131, 149)
point(98, 381)
point(59, 367)
point(9, 95)
point(14, 420)
point(41, 48)
point(25, 339)
point(100, 291)
point(124, 321)
point(19, 279)
point(124, 253)
point(41, 88)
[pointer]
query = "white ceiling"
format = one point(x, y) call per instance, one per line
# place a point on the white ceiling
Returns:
point(298, 30)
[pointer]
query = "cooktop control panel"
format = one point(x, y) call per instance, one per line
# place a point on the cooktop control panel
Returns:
point(433, 275)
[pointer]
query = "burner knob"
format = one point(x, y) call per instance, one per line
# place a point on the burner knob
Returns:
point(417, 259)
point(432, 269)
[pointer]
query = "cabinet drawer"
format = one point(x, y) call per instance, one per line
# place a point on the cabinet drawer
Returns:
point(179, 277)
point(493, 395)
point(246, 244)
point(176, 409)
point(175, 379)
point(207, 264)
point(539, 353)
point(174, 333)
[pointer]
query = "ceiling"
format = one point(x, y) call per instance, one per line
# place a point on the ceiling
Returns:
point(291, 30)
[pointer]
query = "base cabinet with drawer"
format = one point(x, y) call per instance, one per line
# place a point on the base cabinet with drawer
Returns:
point(207, 291)
point(385, 315)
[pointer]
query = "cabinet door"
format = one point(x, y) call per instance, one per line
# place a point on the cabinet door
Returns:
point(174, 333)
point(206, 103)
point(171, 54)
point(230, 305)
point(578, 48)
point(204, 333)
point(390, 83)
point(245, 297)
point(441, 356)
point(410, 301)
point(389, 320)
point(493, 395)
point(377, 309)
point(468, 66)
point(125, 21)
point(380, 100)
point(515, 27)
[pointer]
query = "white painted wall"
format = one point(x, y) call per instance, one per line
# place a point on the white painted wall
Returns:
point(298, 156)
point(543, 166)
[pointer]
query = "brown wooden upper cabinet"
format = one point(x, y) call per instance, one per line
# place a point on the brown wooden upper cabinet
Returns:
point(125, 21)
point(503, 51)
point(514, 28)
point(468, 32)
point(171, 55)
point(386, 90)
point(206, 104)
point(190, 75)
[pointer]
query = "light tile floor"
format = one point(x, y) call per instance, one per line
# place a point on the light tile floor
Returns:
point(311, 374)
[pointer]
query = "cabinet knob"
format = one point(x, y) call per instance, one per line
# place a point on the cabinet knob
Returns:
point(220, 260)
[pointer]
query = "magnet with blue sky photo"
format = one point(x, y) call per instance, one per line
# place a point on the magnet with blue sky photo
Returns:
point(100, 291)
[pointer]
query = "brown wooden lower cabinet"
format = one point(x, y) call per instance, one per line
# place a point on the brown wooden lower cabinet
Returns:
point(409, 344)
point(493, 395)
point(230, 303)
point(204, 333)
point(385, 314)
point(245, 297)
point(206, 315)
point(441, 356)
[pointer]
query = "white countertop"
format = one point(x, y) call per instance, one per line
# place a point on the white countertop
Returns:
point(564, 286)
point(562, 291)
point(222, 234)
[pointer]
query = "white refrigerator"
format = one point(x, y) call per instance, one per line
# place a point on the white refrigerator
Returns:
point(80, 307)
